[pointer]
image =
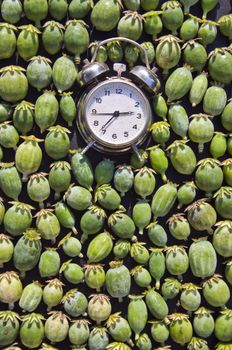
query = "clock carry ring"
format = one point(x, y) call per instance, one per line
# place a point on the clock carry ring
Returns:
point(144, 75)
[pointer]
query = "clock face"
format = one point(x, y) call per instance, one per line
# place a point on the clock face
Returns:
point(117, 113)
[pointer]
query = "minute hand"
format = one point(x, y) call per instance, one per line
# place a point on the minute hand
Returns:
point(120, 113)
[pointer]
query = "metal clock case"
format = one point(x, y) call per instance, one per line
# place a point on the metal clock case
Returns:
point(114, 113)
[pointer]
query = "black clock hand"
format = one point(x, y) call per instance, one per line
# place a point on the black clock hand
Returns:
point(115, 115)
point(120, 113)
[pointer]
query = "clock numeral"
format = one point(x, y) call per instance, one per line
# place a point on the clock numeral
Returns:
point(96, 123)
point(126, 134)
point(114, 136)
point(131, 95)
point(107, 92)
point(118, 91)
point(94, 111)
point(136, 104)
point(135, 126)
point(98, 100)
point(103, 131)
point(139, 115)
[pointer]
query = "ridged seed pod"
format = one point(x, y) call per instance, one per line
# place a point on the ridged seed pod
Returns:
point(13, 84)
point(57, 142)
point(28, 41)
point(198, 89)
point(46, 110)
point(21, 213)
point(168, 52)
point(118, 280)
point(9, 327)
point(10, 288)
point(59, 177)
point(52, 37)
point(32, 330)
point(7, 40)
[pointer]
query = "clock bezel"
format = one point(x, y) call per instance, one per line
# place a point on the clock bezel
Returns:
point(99, 144)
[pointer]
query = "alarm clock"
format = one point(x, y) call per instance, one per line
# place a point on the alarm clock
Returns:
point(114, 112)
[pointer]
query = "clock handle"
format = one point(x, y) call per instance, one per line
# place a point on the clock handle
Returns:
point(119, 38)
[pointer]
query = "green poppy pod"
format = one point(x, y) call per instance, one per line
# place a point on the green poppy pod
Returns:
point(159, 331)
point(152, 23)
point(64, 73)
point(157, 265)
point(99, 307)
point(49, 263)
point(222, 238)
point(121, 248)
point(177, 260)
point(114, 51)
point(144, 182)
point(168, 52)
point(7, 40)
point(119, 329)
point(209, 176)
point(94, 276)
point(214, 100)
point(198, 89)
point(47, 224)
point(178, 83)
point(207, 6)
point(11, 11)
point(180, 328)
point(179, 227)
point(102, 240)
point(79, 9)
point(123, 179)
point(202, 258)
point(163, 200)
point(46, 110)
point(39, 72)
point(160, 106)
point(170, 288)
point(225, 26)
point(27, 251)
point(182, 157)
point(2, 210)
point(148, 5)
point(5, 111)
point(58, 9)
point(201, 130)
point(144, 342)
point(141, 215)
point(157, 234)
point(207, 32)
point(78, 198)
point(9, 136)
point(118, 280)
point(223, 326)
point(218, 145)
point(19, 213)
point(130, 25)
point(159, 161)
point(189, 28)
point(31, 297)
point(137, 307)
point(194, 55)
point(172, 16)
point(201, 216)
point(28, 42)
point(101, 54)
point(138, 159)
point(104, 172)
point(35, 10)
point(223, 202)
point(59, 177)
point(10, 288)
point(76, 38)
point(178, 119)
point(57, 142)
point(53, 293)
point(212, 288)
point(52, 37)
point(107, 197)
point(75, 303)
point(139, 252)
point(197, 343)
point(203, 322)
point(9, 327)
point(28, 156)
point(106, 14)
point(98, 338)
point(38, 188)
point(186, 194)
point(23, 117)
point(13, 84)
point(56, 326)
point(228, 272)
point(92, 221)
point(82, 169)
point(32, 330)
point(10, 181)
point(79, 332)
point(71, 246)
point(73, 273)
point(190, 297)
point(65, 216)
point(220, 61)
point(141, 276)
point(121, 224)
point(68, 109)
point(6, 249)
point(156, 305)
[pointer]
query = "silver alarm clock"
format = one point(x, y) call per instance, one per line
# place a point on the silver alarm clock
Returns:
point(114, 112)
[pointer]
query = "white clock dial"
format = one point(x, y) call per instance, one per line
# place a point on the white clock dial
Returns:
point(117, 113)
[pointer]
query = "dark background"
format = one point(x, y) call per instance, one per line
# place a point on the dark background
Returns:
point(128, 201)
